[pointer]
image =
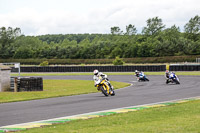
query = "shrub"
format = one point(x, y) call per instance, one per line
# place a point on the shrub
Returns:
point(118, 61)
point(44, 63)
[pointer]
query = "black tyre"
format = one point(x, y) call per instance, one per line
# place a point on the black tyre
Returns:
point(177, 82)
point(113, 93)
point(104, 91)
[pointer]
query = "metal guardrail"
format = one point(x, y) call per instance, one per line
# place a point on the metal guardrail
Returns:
point(12, 83)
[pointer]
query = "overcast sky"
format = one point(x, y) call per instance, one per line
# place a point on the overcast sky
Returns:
point(38, 17)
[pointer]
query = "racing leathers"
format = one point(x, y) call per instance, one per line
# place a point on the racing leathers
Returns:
point(103, 76)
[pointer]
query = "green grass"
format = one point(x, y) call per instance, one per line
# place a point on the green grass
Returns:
point(108, 73)
point(56, 88)
point(178, 118)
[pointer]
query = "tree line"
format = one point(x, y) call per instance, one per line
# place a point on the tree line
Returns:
point(154, 41)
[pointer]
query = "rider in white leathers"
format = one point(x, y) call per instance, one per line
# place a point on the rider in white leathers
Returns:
point(97, 76)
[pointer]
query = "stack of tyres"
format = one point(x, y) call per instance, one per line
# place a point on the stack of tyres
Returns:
point(30, 84)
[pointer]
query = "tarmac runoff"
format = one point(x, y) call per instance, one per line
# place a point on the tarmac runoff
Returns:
point(37, 124)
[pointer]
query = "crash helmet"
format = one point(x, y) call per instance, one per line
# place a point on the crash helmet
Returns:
point(136, 71)
point(96, 72)
point(167, 72)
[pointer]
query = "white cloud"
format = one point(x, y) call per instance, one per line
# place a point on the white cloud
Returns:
point(91, 17)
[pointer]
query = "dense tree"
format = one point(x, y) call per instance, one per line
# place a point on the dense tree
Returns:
point(155, 41)
point(116, 31)
point(7, 37)
point(131, 30)
point(154, 26)
point(192, 28)
point(23, 53)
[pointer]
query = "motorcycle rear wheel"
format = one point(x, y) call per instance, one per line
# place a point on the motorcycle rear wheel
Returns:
point(113, 93)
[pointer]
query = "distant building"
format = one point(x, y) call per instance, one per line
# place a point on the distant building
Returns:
point(4, 78)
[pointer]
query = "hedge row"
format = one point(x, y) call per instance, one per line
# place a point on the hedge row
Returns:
point(59, 61)
point(167, 59)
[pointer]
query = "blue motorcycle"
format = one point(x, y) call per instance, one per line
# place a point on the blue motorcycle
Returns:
point(173, 78)
point(141, 77)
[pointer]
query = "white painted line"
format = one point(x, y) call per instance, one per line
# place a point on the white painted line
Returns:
point(133, 81)
point(124, 87)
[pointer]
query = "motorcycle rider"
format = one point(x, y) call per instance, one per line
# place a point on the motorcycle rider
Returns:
point(169, 77)
point(141, 75)
point(137, 73)
point(97, 75)
point(167, 73)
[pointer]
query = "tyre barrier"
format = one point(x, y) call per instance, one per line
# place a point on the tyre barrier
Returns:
point(27, 84)
point(92, 68)
point(31, 84)
point(184, 67)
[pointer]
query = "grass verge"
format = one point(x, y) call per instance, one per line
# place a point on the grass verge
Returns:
point(56, 88)
point(108, 73)
point(176, 118)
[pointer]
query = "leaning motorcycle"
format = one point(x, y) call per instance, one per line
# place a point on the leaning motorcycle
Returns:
point(173, 79)
point(142, 77)
point(103, 86)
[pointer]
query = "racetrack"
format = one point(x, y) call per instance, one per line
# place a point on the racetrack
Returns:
point(139, 93)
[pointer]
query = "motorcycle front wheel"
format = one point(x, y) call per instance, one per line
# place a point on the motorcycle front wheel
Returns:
point(176, 81)
point(104, 91)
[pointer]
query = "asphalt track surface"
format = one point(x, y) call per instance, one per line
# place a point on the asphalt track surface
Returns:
point(138, 94)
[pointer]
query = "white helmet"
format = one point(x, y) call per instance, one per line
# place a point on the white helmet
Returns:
point(96, 72)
